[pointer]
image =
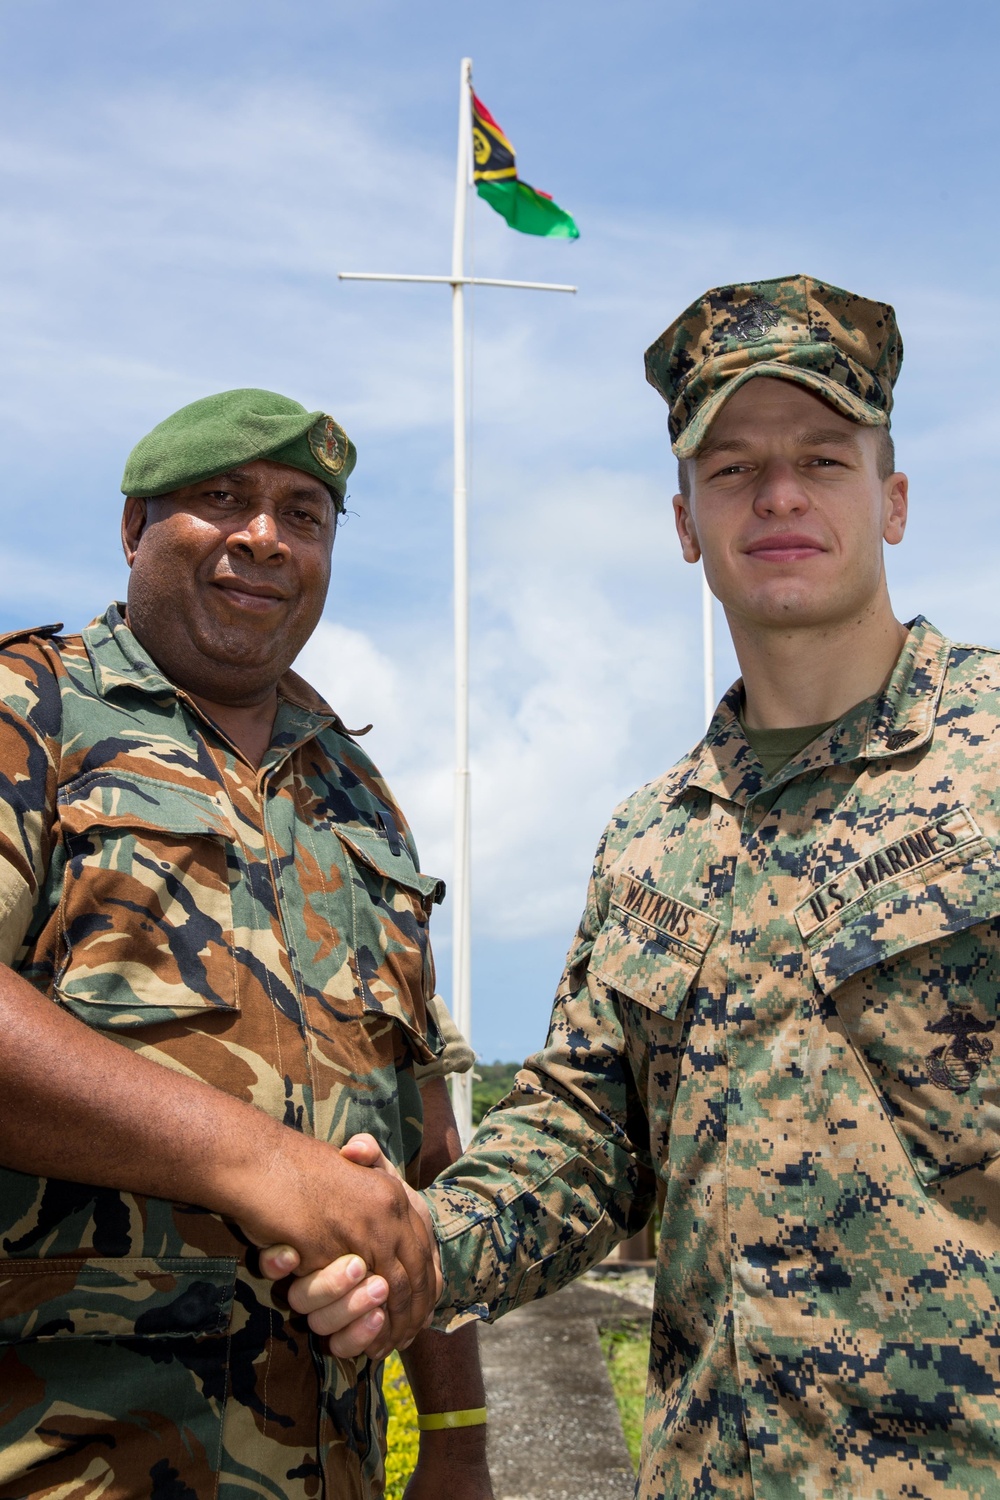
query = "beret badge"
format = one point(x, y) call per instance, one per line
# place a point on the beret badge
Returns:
point(328, 444)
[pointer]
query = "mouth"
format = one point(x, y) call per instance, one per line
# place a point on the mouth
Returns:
point(783, 547)
point(256, 598)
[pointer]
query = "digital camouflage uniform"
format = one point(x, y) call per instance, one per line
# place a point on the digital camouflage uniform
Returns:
point(263, 931)
point(780, 1010)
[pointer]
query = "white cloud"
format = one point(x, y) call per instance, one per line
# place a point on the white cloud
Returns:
point(582, 679)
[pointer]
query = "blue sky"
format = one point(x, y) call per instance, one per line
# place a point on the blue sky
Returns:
point(181, 183)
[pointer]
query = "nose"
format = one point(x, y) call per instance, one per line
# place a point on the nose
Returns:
point(780, 491)
point(258, 539)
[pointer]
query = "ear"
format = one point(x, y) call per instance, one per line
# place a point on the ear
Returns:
point(134, 518)
point(685, 530)
point(896, 494)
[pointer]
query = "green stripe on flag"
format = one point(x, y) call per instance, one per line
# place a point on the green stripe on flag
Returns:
point(528, 211)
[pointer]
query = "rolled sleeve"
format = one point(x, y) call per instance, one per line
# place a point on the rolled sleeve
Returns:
point(560, 1170)
point(29, 721)
point(455, 1056)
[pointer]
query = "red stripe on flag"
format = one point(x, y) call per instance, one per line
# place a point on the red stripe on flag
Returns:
point(481, 109)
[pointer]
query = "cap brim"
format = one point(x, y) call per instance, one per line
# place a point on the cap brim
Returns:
point(831, 391)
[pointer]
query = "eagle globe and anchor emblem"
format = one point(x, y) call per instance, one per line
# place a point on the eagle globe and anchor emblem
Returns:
point(956, 1064)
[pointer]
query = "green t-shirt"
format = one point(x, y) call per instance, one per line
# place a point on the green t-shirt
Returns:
point(774, 748)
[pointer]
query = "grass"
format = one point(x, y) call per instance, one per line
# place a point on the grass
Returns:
point(625, 1345)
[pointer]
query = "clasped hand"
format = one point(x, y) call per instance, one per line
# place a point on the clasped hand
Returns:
point(346, 1303)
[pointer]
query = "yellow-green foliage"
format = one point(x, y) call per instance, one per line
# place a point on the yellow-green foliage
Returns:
point(626, 1349)
point(402, 1437)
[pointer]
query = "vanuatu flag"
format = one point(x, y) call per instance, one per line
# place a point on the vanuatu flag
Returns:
point(494, 172)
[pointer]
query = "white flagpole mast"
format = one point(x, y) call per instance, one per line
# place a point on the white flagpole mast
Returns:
point(461, 895)
point(461, 916)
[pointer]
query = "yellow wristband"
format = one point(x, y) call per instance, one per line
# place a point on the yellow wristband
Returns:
point(436, 1421)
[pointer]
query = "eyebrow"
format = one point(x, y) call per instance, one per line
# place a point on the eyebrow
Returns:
point(814, 437)
point(830, 435)
point(241, 477)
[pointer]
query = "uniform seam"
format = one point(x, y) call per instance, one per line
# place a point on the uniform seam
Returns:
point(264, 967)
point(305, 1025)
point(225, 1405)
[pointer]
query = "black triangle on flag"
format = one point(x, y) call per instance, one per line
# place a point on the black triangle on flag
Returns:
point(492, 152)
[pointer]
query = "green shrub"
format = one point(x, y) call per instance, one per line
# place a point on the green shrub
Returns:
point(403, 1438)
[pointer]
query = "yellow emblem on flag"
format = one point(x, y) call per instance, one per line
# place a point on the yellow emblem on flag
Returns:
point(492, 151)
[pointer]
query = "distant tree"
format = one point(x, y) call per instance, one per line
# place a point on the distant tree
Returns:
point(490, 1082)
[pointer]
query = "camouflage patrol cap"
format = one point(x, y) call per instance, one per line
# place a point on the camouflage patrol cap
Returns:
point(235, 427)
point(845, 348)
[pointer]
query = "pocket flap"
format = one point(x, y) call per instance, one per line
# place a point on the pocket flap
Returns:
point(109, 799)
point(392, 861)
point(931, 883)
point(171, 1297)
point(146, 912)
point(651, 946)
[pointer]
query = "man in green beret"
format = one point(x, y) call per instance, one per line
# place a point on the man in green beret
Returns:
point(204, 871)
point(779, 1013)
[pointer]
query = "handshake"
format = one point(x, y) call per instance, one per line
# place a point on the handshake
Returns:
point(380, 1290)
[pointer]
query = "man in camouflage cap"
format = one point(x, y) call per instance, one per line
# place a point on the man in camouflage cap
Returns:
point(780, 1009)
point(206, 873)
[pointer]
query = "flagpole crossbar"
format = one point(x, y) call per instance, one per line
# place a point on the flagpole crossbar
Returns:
point(524, 286)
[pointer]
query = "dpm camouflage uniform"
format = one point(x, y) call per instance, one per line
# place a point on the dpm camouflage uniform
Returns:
point(781, 1009)
point(264, 931)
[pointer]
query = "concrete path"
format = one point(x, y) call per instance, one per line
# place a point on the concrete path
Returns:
point(554, 1427)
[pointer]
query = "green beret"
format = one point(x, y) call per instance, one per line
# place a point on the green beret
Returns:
point(220, 432)
point(845, 348)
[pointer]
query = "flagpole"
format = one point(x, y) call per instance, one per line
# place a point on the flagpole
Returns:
point(461, 896)
point(461, 916)
point(708, 646)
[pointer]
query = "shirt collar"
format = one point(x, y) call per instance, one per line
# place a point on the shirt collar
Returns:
point(117, 659)
point(896, 721)
point(120, 663)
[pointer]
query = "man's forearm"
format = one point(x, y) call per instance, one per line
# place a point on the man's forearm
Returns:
point(445, 1376)
point(444, 1371)
point(76, 1105)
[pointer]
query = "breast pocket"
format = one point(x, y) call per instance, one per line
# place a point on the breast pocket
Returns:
point(911, 963)
point(145, 915)
point(651, 946)
point(391, 904)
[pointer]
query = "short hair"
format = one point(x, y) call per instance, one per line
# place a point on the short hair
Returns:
point(885, 459)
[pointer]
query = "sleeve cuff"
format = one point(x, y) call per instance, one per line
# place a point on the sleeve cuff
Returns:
point(16, 908)
point(456, 1056)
